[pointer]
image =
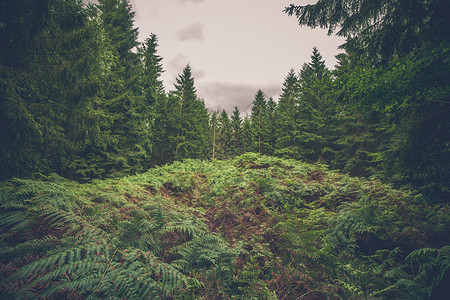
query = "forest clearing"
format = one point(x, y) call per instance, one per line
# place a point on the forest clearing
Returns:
point(114, 186)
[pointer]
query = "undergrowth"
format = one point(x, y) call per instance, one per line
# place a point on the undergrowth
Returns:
point(255, 227)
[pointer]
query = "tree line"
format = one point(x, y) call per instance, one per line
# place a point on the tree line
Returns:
point(81, 97)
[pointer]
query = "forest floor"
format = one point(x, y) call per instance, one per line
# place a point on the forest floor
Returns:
point(253, 227)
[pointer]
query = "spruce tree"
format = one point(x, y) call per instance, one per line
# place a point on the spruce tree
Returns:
point(247, 138)
point(382, 29)
point(311, 108)
point(192, 119)
point(165, 129)
point(287, 114)
point(151, 82)
point(272, 124)
point(118, 19)
point(259, 110)
point(154, 104)
point(130, 150)
point(317, 64)
point(225, 136)
point(236, 126)
point(53, 60)
point(214, 132)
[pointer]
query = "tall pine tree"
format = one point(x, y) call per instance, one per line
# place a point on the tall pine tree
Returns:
point(311, 108)
point(236, 127)
point(258, 116)
point(287, 114)
point(54, 57)
point(192, 119)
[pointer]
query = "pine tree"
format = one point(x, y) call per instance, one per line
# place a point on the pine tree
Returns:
point(155, 102)
point(152, 84)
point(311, 108)
point(258, 115)
point(382, 29)
point(394, 119)
point(49, 87)
point(272, 124)
point(22, 23)
point(192, 117)
point(236, 124)
point(246, 135)
point(165, 129)
point(214, 129)
point(317, 64)
point(287, 113)
point(224, 137)
point(118, 19)
point(124, 101)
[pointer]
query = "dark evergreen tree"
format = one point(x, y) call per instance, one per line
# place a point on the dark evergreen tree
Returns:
point(154, 104)
point(272, 124)
point(393, 73)
point(401, 119)
point(118, 19)
point(317, 64)
point(165, 129)
point(214, 132)
point(311, 108)
point(247, 135)
point(287, 113)
point(192, 118)
point(151, 82)
point(130, 149)
point(259, 110)
point(22, 23)
point(236, 127)
point(383, 29)
point(50, 86)
point(224, 137)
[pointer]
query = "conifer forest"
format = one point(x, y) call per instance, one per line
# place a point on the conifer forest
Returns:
point(112, 187)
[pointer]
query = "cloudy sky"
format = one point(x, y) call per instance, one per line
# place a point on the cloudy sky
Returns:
point(234, 47)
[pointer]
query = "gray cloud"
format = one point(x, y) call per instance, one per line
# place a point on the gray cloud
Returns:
point(198, 74)
point(222, 95)
point(193, 31)
point(177, 63)
point(175, 67)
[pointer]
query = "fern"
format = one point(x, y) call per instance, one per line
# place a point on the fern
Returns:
point(83, 258)
point(254, 227)
point(189, 227)
point(35, 247)
point(433, 266)
point(209, 252)
point(354, 220)
point(14, 220)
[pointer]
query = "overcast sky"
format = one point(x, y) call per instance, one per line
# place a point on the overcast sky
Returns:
point(234, 47)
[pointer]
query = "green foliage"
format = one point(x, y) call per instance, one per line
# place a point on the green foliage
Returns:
point(254, 227)
point(287, 118)
point(383, 29)
point(433, 267)
point(61, 252)
point(69, 100)
point(236, 128)
point(384, 112)
point(192, 118)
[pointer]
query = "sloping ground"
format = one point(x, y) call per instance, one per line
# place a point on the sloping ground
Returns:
point(254, 227)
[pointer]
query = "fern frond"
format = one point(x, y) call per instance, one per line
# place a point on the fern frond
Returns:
point(188, 227)
point(17, 219)
point(34, 246)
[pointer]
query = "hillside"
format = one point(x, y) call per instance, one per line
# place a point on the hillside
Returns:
point(254, 227)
